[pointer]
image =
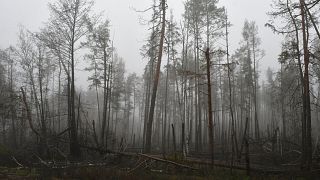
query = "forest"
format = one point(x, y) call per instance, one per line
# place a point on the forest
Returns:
point(197, 111)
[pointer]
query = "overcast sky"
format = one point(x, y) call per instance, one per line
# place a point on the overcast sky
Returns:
point(129, 35)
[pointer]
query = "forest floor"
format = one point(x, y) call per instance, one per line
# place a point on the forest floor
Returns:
point(139, 167)
point(122, 173)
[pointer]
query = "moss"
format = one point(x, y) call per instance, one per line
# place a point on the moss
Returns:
point(19, 173)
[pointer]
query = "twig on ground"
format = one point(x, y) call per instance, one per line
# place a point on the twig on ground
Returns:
point(167, 161)
point(42, 161)
point(16, 161)
point(144, 161)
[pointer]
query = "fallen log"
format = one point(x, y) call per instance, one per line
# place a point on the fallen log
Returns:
point(16, 161)
point(139, 165)
point(167, 161)
point(42, 161)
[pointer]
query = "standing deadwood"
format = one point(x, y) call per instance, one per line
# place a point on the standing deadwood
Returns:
point(183, 140)
point(245, 136)
point(174, 141)
point(149, 73)
point(105, 101)
point(246, 143)
point(282, 102)
point(134, 112)
point(207, 54)
point(106, 98)
point(166, 98)
point(256, 121)
point(156, 80)
point(234, 144)
point(301, 78)
point(78, 113)
point(134, 141)
point(110, 76)
point(247, 156)
point(147, 99)
point(306, 99)
point(12, 105)
point(29, 116)
point(95, 137)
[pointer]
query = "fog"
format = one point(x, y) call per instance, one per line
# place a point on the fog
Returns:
point(168, 89)
point(129, 32)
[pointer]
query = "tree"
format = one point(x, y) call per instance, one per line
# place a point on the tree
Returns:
point(8, 97)
point(296, 15)
point(252, 43)
point(118, 88)
point(156, 79)
point(205, 17)
point(69, 19)
point(128, 104)
point(306, 87)
point(34, 60)
point(98, 40)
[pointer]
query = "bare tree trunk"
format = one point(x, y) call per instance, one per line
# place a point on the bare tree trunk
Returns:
point(306, 99)
point(105, 100)
point(12, 109)
point(247, 156)
point(109, 95)
point(29, 115)
point(166, 103)
point(95, 137)
point(256, 121)
point(303, 120)
point(283, 109)
point(174, 141)
point(42, 113)
point(234, 141)
point(183, 140)
point(207, 54)
point(133, 115)
point(156, 81)
point(74, 144)
point(97, 95)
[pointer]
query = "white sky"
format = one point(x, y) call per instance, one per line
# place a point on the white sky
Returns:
point(129, 34)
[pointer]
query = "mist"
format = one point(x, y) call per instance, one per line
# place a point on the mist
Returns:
point(143, 89)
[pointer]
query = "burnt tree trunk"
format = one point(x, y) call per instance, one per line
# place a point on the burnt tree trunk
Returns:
point(156, 81)
point(207, 53)
point(306, 98)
